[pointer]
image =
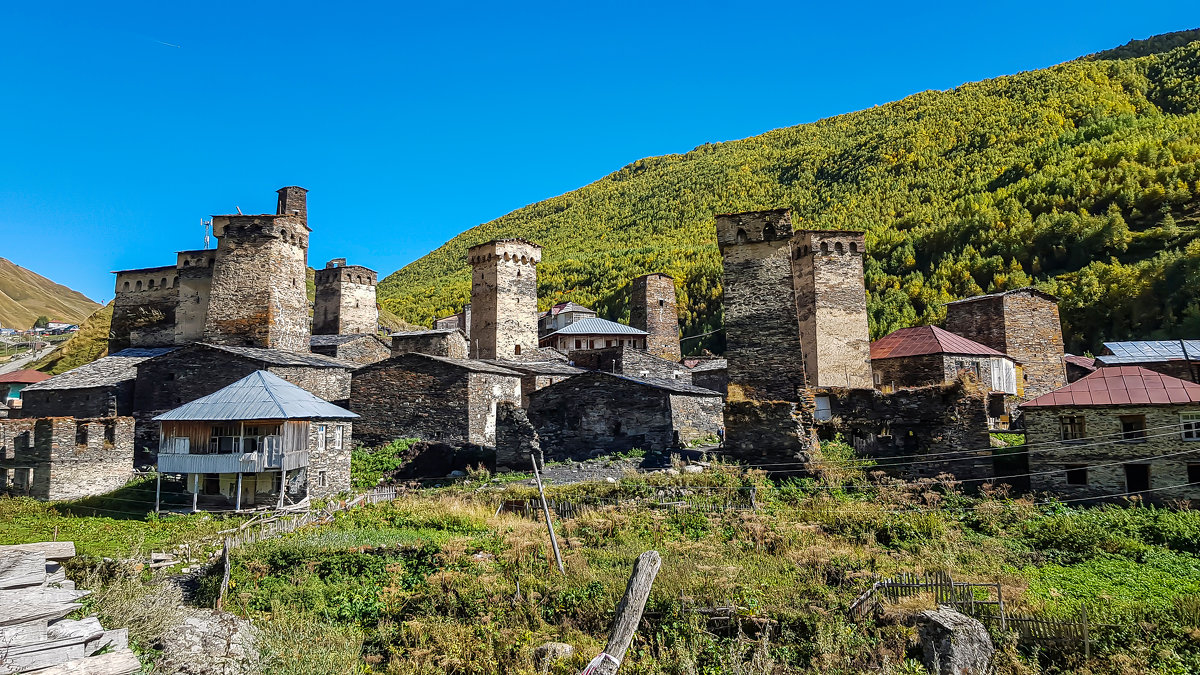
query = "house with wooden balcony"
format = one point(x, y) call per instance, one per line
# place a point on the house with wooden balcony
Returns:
point(259, 442)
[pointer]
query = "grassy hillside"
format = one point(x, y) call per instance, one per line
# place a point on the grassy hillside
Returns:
point(89, 344)
point(1083, 178)
point(26, 295)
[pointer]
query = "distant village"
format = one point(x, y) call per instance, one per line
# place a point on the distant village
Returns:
point(218, 376)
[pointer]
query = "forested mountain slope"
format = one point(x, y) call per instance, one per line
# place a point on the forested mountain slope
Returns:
point(25, 295)
point(1083, 178)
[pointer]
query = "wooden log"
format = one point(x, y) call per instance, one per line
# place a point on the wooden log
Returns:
point(122, 662)
point(24, 633)
point(629, 612)
point(40, 596)
point(116, 639)
point(11, 615)
point(43, 654)
point(88, 628)
point(19, 569)
point(54, 550)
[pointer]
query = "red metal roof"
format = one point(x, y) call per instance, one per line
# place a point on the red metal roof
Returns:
point(1120, 385)
point(1081, 361)
point(920, 340)
point(23, 377)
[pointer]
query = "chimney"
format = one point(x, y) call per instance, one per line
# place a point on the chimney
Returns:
point(292, 202)
point(335, 263)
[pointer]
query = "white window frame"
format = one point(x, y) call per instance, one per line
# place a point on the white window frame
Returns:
point(321, 430)
point(1189, 426)
point(322, 479)
point(338, 430)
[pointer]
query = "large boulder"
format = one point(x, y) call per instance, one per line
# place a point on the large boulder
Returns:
point(209, 643)
point(954, 643)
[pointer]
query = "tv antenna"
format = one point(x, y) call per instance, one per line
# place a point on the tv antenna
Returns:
point(207, 230)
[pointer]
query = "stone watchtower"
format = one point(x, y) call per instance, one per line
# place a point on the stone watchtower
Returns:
point(345, 300)
point(652, 309)
point(1023, 323)
point(831, 306)
point(504, 314)
point(761, 331)
point(258, 296)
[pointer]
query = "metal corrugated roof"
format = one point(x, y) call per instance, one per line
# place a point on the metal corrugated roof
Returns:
point(261, 395)
point(1121, 385)
point(597, 326)
point(1134, 351)
point(921, 340)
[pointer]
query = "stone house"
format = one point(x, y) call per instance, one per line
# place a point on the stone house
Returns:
point(562, 315)
point(1177, 358)
point(1120, 430)
point(1024, 324)
point(102, 388)
point(56, 458)
point(537, 374)
point(1078, 367)
point(600, 413)
point(12, 383)
point(261, 441)
point(359, 348)
point(3, 410)
point(594, 333)
point(448, 342)
point(461, 321)
point(710, 373)
point(433, 398)
point(632, 361)
point(199, 369)
point(925, 355)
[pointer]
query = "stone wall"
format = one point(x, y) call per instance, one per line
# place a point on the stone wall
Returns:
point(630, 361)
point(714, 378)
point(195, 270)
point(504, 313)
point(652, 309)
point(930, 369)
point(516, 439)
point(1022, 323)
point(696, 417)
point(450, 343)
point(409, 396)
point(1102, 427)
point(330, 384)
point(106, 401)
point(144, 308)
point(769, 431)
point(363, 349)
point(487, 391)
point(65, 458)
point(831, 306)
point(345, 299)
point(258, 287)
point(334, 462)
point(761, 331)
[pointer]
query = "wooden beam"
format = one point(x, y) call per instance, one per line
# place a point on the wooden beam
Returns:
point(12, 615)
point(19, 569)
point(629, 612)
point(54, 550)
point(121, 662)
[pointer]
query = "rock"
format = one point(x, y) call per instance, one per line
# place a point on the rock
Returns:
point(550, 652)
point(610, 479)
point(210, 642)
point(692, 468)
point(671, 472)
point(954, 643)
point(456, 473)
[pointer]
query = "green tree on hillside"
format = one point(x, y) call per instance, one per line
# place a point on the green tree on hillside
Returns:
point(41, 322)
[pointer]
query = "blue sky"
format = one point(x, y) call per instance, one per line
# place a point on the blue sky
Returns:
point(124, 124)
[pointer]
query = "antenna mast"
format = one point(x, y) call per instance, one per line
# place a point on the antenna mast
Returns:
point(207, 230)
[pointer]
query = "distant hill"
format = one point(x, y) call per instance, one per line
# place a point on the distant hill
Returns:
point(1082, 178)
point(26, 295)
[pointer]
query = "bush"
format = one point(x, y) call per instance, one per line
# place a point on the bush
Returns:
point(369, 466)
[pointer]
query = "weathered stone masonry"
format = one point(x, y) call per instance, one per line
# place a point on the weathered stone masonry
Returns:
point(652, 308)
point(504, 314)
point(831, 304)
point(59, 458)
point(345, 299)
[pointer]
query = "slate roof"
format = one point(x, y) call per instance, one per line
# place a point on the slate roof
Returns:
point(336, 340)
point(282, 357)
point(674, 386)
point(261, 395)
point(1026, 289)
point(431, 331)
point(1120, 385)
point(567, 307)
point(596, 326)
point(921, 340)
point(23, 377)
point(1144, 351)
point(710, 364)
point(103, 372)
point(537, 367)
point(473, 365)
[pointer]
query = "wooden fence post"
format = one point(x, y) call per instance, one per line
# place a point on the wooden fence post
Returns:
point(1087, 641)
point(629, 613)
point(546, 510)
point(224, 575)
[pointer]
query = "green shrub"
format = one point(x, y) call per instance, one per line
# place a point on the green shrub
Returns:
point(368, 466)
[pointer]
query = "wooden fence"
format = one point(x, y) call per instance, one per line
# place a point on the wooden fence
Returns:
point(265, 527)
point(975, 600)
point(740, 500)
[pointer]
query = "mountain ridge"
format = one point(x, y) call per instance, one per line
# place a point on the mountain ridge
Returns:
point(1081, 178)
point(25, 295)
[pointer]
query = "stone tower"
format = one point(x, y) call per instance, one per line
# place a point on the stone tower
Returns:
point(504, 314)
point(1023, 323)
point(652, 309)
point(258, 296)
point(761, 330)
point(831, 306)
point(345, 300)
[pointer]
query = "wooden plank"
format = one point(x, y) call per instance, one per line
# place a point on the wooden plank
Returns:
point(40, 596)
point(54, 550)
point(88, 628)
point(21, 613)
point(19, 569)
point(122, 662)
point(116, 639)
point(44, 654)
point(629, 612)
point(24, 633)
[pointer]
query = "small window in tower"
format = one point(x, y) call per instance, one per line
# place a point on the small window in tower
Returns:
point(741, 236)
point(518, 350)
point(662, 303)
point(838, 248)
point(163, 283)
point(853, 247)
point(139, 285)
point(125, 287)
point(824, 247)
